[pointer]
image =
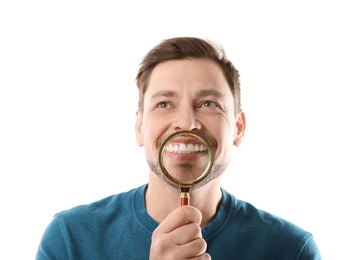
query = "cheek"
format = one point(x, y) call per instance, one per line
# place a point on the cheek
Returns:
point(224, 135)
point(151, 134)
point(223, 130)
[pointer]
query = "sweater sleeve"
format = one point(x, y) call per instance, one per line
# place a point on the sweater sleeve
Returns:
point(52, 244)
point(310, 251)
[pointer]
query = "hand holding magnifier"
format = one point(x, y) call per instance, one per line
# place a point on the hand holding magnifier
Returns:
point(186, 158)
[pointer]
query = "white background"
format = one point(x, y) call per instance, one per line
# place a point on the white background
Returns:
point(68, 101)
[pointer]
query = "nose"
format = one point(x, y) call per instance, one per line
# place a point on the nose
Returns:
point(186, 120)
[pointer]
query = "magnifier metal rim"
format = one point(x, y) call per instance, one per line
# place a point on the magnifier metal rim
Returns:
point(188, 183)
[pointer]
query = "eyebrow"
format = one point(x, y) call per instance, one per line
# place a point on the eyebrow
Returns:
point(201, 93)
point(210, 92)
point(163, 93)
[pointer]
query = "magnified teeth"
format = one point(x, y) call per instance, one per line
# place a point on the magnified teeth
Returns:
point(183, 148)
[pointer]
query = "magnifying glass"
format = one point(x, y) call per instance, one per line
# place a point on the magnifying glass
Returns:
point(186, 158)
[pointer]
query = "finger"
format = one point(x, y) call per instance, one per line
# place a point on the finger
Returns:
point(186, 233)
point(193, 249)
point(180, 216)
point(204, 256)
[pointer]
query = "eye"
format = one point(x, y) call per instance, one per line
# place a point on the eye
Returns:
point(209, 104)
point(164, 105)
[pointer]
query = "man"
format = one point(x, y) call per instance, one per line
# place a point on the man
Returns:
point(185, 84)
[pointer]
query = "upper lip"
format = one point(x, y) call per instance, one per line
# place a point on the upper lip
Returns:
point(185, 144)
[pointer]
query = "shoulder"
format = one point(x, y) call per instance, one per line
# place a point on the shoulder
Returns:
point(259, 219)
point(71, 230)
point(264, 229)
point(102, 208)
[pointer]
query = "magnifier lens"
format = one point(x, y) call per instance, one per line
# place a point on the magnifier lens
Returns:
point(186, 158)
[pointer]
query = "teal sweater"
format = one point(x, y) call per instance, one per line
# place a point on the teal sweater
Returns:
point(118, 227)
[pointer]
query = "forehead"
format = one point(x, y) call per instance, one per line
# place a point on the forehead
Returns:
point(189, 73)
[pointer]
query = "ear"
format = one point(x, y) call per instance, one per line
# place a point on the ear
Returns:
point(138, 133)
point(240, 125)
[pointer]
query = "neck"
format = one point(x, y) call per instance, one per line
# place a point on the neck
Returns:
point(161, 199)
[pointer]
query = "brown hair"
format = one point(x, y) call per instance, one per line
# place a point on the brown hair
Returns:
point(187, 48)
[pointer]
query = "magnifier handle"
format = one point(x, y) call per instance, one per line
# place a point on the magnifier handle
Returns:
point(184, 198)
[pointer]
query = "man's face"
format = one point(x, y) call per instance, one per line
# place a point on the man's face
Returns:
point(188, 95)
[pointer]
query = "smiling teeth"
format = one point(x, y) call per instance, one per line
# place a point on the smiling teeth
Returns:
point(183, 148)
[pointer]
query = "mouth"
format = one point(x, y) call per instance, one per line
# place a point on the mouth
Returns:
point(185, 148)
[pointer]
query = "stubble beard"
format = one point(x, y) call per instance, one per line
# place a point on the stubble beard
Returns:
point(216, 171)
